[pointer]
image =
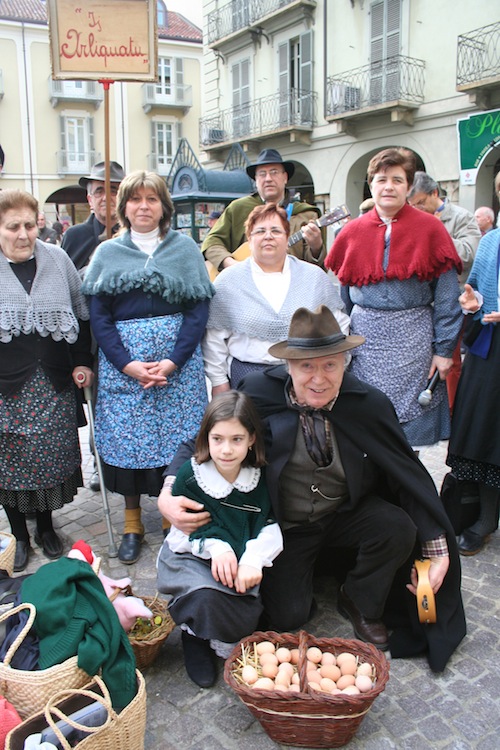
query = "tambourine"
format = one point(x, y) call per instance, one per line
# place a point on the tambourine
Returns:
point(426, 602)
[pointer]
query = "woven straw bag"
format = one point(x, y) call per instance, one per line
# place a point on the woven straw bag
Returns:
point(29, 691)
point(8, 554)
point(123, 731)
point(308, 718)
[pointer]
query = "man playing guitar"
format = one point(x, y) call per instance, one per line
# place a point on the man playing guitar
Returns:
point(271, 175)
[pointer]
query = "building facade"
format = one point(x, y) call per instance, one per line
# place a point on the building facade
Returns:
point(331, 83)
point(52, 131)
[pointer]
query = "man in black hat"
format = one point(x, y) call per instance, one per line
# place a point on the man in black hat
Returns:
point(342, 476)
point(271, 175)
point(81, 240)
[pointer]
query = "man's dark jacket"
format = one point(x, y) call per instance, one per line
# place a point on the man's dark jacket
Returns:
point(81, 240)
point(377, 458)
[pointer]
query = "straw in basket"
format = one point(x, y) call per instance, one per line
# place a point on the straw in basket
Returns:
point(7, 552)
point(308, 718)
point(29, 691)
point(147, 645)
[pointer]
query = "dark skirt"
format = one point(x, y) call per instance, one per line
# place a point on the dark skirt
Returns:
point(474, 448)
point(39, 448)
point(210, 609)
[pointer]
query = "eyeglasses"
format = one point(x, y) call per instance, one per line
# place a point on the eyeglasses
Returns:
point(261, 232)
point(100, 191)
point(263, 173)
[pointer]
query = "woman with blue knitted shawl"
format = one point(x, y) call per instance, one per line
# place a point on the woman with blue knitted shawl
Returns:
point(474, 448)
point(149, 292)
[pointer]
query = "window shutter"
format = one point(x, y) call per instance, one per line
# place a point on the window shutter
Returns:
point(153, 161)
point(64, 152)
point(92, 154)
point(306, 79)
point(284, 83)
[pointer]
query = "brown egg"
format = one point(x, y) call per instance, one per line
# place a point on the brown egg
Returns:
point(345, 681)
point(328, 658)
point(363, 683)
point(286, 668)
point(331, 671)
point(283, 654)
point(269, 670)
point(314, 654)
point(284, 688)
point(249, 674)
point(314, 676)
point(268, 658)
point(265, 647)
point(295, 679)
point(282, 678)
point(365, 668)
point(345, 656)
point(314, 686)
point(348, 666)
point(327, 685)
point(263, 683)
point(294, 688)
point(295, 655)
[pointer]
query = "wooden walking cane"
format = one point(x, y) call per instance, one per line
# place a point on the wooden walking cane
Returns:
point(112, 549)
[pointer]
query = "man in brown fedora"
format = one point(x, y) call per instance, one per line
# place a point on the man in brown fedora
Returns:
point(81, 240)
point(271, 174)
point(341, 474)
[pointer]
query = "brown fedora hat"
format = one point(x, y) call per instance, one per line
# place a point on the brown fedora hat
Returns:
point(270, 156)
point(98, 172)
point(314, 333)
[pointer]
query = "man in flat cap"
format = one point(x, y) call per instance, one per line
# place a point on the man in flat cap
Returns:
point(271, 175)
point(81, 240)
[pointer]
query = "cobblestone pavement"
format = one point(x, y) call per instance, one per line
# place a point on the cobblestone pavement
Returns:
point(457, 710)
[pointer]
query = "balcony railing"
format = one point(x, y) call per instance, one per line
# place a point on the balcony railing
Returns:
point(75, 91)
point(70, 162)
point(397, 79)
point(180, 97)
point(262, 116)
point(238, 15)
point(478, 56)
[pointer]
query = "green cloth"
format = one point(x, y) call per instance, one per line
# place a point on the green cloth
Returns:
point(75, 617)
point(175, 270)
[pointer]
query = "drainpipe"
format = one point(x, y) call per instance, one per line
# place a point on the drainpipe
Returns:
point(325, 59)
point(28, 121)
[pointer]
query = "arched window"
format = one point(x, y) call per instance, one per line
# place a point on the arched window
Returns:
point(162, 13)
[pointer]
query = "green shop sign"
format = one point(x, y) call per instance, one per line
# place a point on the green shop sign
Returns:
point(477, 135)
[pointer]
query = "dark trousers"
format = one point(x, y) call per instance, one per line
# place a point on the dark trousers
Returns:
point(384, 536)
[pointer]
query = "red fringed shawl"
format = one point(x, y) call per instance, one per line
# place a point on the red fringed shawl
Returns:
point(420, 246)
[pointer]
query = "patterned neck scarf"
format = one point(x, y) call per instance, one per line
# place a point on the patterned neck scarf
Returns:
point(315, 428)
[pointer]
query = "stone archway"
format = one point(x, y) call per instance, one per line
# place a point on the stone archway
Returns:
point(302, 183)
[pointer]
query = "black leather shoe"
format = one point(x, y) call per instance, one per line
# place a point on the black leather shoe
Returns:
point(130, 548)
point(94, 483)
point(370, 631)
point(470, 543)
point(50, 543)
point(22, 555)
point(199, 660)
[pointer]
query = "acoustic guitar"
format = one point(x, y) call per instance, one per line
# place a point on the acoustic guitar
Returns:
point(334, 216)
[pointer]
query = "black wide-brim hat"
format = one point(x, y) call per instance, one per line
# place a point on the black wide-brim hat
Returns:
point(98, 172)
point(314, 333)
point(270, 156)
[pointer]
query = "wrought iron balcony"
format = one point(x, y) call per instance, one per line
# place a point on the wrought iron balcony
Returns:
point(180, 97)
point(75, 91)
point(478, 57)
point(241, 14)
point(397, 82)
point(270, 114)
point(71, 162)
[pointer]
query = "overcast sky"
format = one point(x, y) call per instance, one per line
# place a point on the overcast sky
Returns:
point(190, 9)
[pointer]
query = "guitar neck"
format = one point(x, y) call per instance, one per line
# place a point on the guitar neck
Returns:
point(332, 217)
point(298, 236)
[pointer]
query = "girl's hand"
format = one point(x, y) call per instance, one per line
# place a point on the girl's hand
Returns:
point(145, 373)
point(225, 568)
point(437, 572)
point(82, 376)
point(247, 577)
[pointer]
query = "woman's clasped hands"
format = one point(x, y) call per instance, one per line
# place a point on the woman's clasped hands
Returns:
point(150, 374)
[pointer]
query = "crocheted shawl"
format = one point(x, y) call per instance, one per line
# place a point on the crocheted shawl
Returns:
point(55, 303)
point(420, 246)
point(240, 307)
point(484, 271)
point(175, 270)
